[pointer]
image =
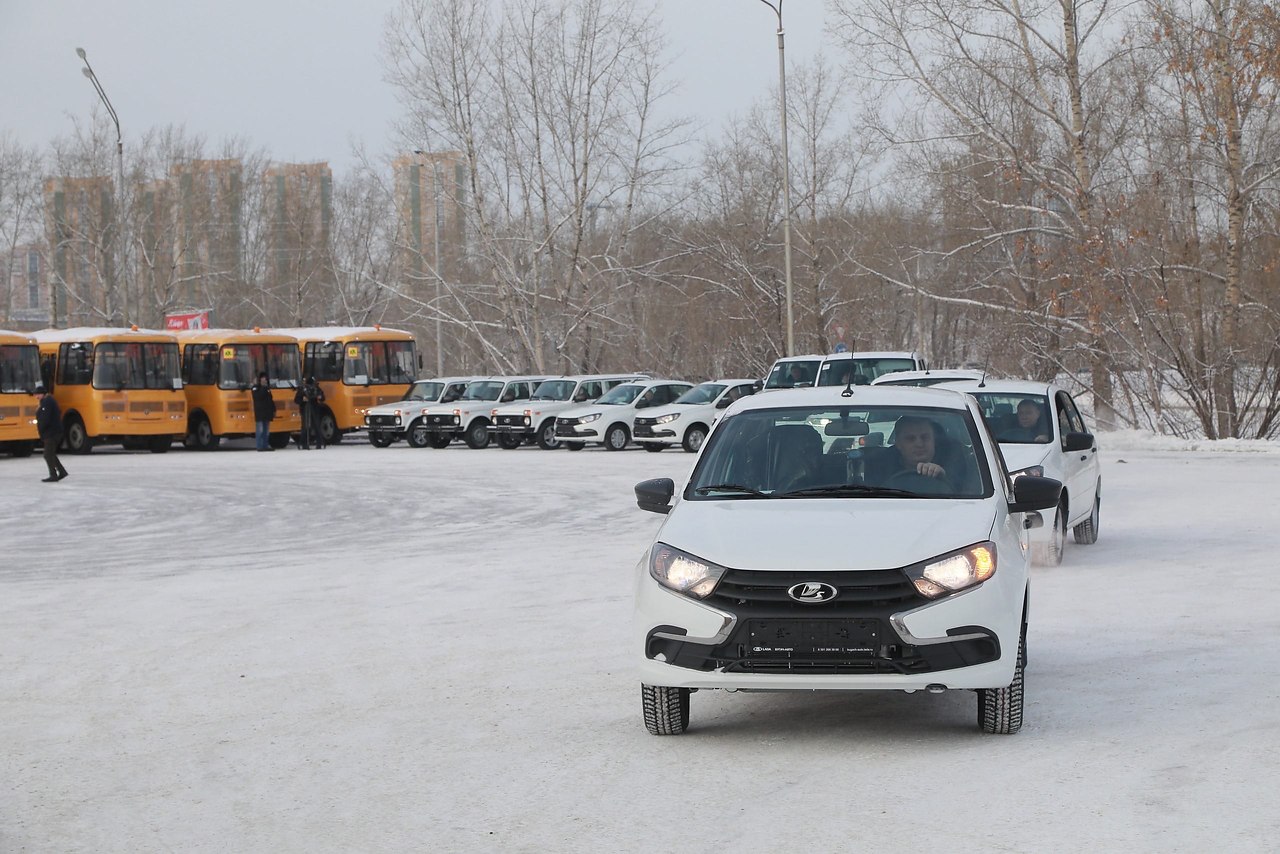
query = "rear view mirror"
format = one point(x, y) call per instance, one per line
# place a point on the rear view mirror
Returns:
point(1077, 442)
point(1035, 493)
point(655, 495)
point(845, 427)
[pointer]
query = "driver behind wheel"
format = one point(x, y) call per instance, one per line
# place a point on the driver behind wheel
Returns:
point(914, 446)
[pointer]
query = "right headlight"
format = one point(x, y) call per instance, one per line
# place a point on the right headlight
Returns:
point(953, 572)
point(587, 419)
point(683, 572)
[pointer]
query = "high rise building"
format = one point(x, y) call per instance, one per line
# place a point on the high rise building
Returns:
point(26, 298)
point(299, 204)
point(79, 217)
point(430, 191)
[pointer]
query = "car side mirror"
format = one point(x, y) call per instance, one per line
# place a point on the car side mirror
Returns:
point(1035, 493)
point(723, 403)
point(1077, 442)
point(655, 495)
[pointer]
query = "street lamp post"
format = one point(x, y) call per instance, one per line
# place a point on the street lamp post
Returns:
point(786, 176)
point(113, 303)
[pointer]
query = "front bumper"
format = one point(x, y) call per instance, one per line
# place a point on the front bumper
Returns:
point(512, 425)
point(448, 424)
point(577, 432)
point(968, 640)
point(658, 434)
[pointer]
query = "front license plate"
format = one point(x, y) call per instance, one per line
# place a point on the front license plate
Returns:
point(805, 638)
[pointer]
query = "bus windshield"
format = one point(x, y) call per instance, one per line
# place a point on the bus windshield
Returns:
point(378, 362)
point(554, 390)
point(241, 363)
point(135, 365)
point(19, 368)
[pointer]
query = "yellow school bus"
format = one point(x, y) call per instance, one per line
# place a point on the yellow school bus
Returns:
point(19, 373)
point(114, 386)
point(220, 366)
point(357, 368)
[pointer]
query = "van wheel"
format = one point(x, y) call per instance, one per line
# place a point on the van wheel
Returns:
point(418, 437)
point(477, 435)
point(616, 437)
point(666, 710)
point(380, 441)
point(509, 442)
point(693, 438)
point(77, 439)
point(202, 437)
point(329, 428)
point(439, 440)
point(1050, 553)
point(547, 440)
point(1000, 709)
point(1086, 533)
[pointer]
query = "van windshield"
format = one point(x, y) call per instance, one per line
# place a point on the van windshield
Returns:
point(424, 391)
point(554, 390)
point(860, 371)
point(793, 373)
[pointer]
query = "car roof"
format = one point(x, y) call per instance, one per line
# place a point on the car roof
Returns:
point(872, 354)
point(733, 381)
point(1001, 386)
point(863, 395)
point(639, 375)
point(956, 374)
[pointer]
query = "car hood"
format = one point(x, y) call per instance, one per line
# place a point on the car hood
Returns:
point(684, 410)
point(825, 533)
point(1018, 456)
point(405, 407)
point(586, 409)
point(538, 407)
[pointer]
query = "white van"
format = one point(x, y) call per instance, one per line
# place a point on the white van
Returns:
point(840, 539)
point(535, 419)
point(862, 368)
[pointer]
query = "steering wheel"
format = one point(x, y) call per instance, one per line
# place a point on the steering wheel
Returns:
point(913, 481)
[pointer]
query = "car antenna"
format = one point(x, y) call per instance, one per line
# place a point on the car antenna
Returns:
point(848, 389)
point(982, 383)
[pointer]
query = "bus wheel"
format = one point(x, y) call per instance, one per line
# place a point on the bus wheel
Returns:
point(77, 438)
point(202, 436)
point(278, 440)
point(159, 444)
point(329, 429)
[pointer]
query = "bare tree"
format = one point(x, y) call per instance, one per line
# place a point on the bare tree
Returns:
point(20, 209)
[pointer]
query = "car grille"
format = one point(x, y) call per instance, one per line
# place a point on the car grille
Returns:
point(441, 420)
point(384, 420)
point(511, 421)
point(764, 593)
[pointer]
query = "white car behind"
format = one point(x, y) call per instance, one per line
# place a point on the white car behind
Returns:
point(608, 421)
point(688, 419)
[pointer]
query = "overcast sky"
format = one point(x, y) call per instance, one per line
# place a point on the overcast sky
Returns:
point(303, 78)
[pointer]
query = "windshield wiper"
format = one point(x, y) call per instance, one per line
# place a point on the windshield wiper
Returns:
point(847, 489)
point(730, 487)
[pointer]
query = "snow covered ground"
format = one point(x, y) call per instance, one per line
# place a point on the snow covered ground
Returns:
point(415, 650)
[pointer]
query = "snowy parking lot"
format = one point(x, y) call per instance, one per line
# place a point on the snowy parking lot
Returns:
point(417, 650)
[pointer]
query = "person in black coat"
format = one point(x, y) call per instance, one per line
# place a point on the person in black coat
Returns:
point(49, 426)
point(264, 410)
point(309, 396)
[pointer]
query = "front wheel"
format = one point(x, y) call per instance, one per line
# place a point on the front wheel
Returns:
point(202, 436)
point(378, 440)
point(666, 710)
point(509, 442)
point(1086, 533)
point(693, 438)
point(477, 435)
point(418, 435)
point(77, 439)
point(329, 429)
point(547, 440)
point(1000, 709)
point(616, 437)
point(1050, 553)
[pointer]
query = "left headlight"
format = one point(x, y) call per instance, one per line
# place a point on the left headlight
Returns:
point(683, 572)
point(666, 419)
point(587, 419)
point(953, 572)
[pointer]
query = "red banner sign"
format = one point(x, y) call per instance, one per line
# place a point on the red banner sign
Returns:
point(190, 320)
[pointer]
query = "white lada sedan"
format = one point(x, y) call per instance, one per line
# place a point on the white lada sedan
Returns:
point(840, 539)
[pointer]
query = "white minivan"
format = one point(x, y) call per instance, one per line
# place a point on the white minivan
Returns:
point(840, 539)
point(687, 420)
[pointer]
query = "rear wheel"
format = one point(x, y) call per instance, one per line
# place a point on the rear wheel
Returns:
point(693, 438)
point(547, 440)
point(1000, 709)
point(617, 437)
point(77, 438)
point(1050, 553)
point(666, 710)
point(1086, 533)
point(202, 437)
point(379, 440)
point(477, 435)
point(509, 441)
point(418, 436)
point(329, 428)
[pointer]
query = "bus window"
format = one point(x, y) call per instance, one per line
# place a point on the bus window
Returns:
point(400, 361)
point(160, 365)
point(282, 365)
point(324, 360)
point(19, 368)
point(200, 366)
point(75, 363)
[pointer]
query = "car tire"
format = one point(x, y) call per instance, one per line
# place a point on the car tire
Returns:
point(1086, 533)
point(380, 441)
point(617, 437)
point(202, 436)
point(77, 437)
point(547, 440)
point(666, 710)
point(653, 447)
point(508, 442)
point(417, 435)
point(439, 440)
point(1000, 709)
point(329, 428)
point(1050, 553)
point(693, 438)
point(477, 435)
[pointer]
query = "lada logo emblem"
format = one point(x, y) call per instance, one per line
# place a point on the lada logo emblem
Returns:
point(812, 592)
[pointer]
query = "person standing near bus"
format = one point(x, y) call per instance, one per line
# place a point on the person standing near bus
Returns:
point(309, 397)
point(49, 426)
point(264, 409)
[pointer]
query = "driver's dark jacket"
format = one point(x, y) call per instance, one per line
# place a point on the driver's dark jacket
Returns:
point(48, 418)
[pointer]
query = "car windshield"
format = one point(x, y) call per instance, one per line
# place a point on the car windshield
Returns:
point(843, 452)
point(554, 390)
point(621, 395)
point(1016, 419)
point(701, 394)
point(860, 371)
point(424, 391)
point(789, 374)
point(483, 390)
